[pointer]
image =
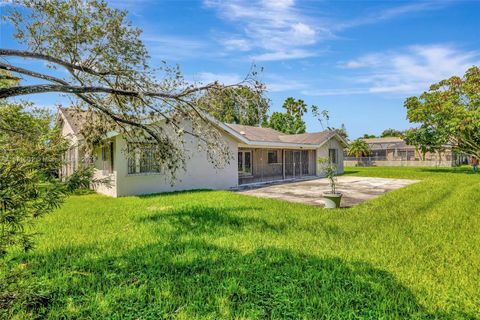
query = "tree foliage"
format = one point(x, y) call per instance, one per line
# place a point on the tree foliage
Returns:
point(342, 132)
point(323, 118)
point(449, 112)
point(358, 148)
point(368, 136)
point(330, 171)
point(96, 57)
point(426, 139)
point(290, 121)
point(286, 123)
point(31, 153)
point(239, 105)
point(392, 133)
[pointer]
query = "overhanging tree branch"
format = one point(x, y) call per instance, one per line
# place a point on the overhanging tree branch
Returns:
point(89, 101)
point(35, 55)
point(44, 88)
point(9, 67)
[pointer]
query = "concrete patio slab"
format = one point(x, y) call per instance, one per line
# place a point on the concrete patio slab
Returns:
point(355, 190)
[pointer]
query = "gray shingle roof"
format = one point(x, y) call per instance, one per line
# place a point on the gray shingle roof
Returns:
point(270, 135)
point(76, 118)
point(387, 143)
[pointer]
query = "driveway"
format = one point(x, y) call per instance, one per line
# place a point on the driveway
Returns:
point(355, 190)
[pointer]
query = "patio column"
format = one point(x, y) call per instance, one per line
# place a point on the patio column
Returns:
point(283, 163)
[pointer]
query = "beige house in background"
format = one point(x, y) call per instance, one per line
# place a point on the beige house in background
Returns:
point(394, 151)
point(261, 155)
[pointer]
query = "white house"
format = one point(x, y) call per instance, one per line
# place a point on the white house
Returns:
point(261, 155)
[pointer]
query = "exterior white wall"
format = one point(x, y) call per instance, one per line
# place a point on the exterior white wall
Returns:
point(109, 188)
point(67, 130)
point(322, 152)
point(72, 156)
point(199, 173)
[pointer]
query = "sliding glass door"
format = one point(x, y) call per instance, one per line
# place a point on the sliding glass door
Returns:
point(245, 162)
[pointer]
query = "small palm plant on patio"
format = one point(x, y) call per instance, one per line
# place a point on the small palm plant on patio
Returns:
point(332, 198)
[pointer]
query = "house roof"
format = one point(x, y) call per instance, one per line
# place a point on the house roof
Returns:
point(387, 143)
point(258, 134)
point(75, 118)
point(392, 143)
point(246, 134)
point(384, 140)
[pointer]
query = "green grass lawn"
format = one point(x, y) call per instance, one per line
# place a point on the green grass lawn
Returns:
point(412, 253)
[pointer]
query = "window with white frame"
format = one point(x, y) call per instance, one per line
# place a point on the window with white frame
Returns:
point(107, 158)
point(70, 161)
point(141, 159)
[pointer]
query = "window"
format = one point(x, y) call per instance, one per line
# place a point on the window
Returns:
point(406, 154)
point(272, 157)
point(245, 162)
point(141, 159)
point(411, 155)
point(70, 161)
point(379, 154)
point(107, 158)
point(332, 155)
point(305, 162)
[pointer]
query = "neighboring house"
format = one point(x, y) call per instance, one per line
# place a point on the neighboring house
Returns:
point(394, 151)
point(260, 155)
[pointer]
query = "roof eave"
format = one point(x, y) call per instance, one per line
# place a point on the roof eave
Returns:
point(269, 144)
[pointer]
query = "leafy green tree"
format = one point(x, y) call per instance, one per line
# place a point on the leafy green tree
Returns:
point(236, 105)
point(425, 139)
point(290, 121)
point(368, 136)
point(286, 123)
point(358, 148)
point(7, 79)
point(342, 132)
point(450, 112)
point(392, 133)
point(297, 108)
point(96, 57)
point(31, 154)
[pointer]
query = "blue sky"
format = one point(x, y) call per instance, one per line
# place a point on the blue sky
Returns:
point(357, 59)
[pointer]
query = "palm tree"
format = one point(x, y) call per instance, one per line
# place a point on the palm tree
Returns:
point(358, 148)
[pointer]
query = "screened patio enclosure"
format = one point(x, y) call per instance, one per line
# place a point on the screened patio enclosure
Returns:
point(263, 165)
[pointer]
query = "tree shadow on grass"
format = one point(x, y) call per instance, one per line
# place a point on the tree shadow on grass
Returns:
point(447, 170)
point(152, 195)
point(348, 172)
point(194, 279)
point(203, 219)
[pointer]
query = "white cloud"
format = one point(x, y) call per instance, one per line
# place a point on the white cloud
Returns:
point(283, 55)
point(278, 83)
point(335, 92)
point(274, 29)
point(410, 70)
point(391, 13)
point(237, 44)
point(171, 47)
point(368, 60)
point(278, 3)
point(303, 33)
point(280, 29)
